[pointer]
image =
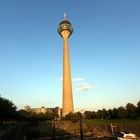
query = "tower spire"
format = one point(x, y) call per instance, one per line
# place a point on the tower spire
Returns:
point(65, 16)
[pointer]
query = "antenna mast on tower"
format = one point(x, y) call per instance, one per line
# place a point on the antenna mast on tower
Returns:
point(65, 16)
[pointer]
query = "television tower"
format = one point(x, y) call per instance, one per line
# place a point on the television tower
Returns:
point(65, 30)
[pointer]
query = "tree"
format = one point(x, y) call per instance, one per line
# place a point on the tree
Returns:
point(114, 113)
point(138, 104)
point(122, 113)
point(50, 115)
point(88, 115)
point(104, 114)
point(110, 114)
point(73, 117)
point(7, 109)
point(131, 111)
point(99, 114)
point(138, 109)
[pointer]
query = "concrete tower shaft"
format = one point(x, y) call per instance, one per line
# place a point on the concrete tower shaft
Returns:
point(67, 84)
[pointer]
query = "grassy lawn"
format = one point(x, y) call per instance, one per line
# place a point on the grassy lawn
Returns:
point(114, 122)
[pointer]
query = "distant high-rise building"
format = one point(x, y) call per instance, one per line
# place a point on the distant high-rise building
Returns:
point(65, 30)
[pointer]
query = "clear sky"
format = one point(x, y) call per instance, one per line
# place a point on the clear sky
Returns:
point(104, 52)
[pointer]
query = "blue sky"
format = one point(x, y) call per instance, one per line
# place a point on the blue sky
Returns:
point(104, 52)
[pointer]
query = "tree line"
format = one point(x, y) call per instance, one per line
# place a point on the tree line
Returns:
point(130, 111)
point(8, 112)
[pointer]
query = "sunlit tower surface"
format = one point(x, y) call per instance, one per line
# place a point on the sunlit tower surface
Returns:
point(65, 30)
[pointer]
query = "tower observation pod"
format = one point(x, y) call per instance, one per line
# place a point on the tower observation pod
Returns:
point(65, 30)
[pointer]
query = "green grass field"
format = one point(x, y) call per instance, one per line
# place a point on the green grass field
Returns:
point(114, 122)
